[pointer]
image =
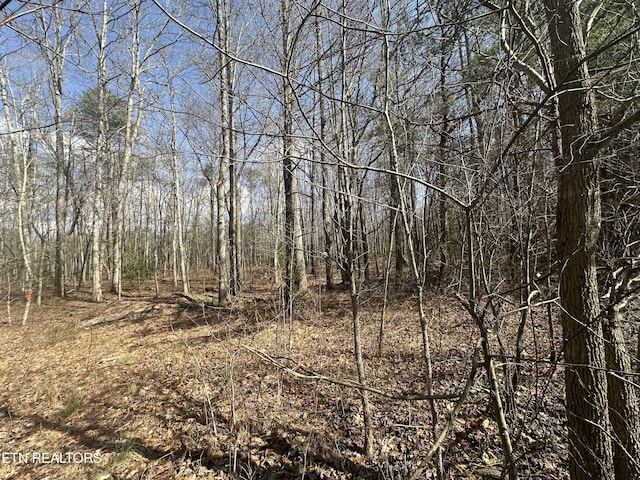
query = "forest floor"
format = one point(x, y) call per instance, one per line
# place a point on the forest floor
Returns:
point(212, 393)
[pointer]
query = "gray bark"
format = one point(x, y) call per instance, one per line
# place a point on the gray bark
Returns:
point(578, 228)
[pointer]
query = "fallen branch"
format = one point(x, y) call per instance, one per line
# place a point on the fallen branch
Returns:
point(454, 413)
point(114, 317)
point(299, 371)
point(194, 300)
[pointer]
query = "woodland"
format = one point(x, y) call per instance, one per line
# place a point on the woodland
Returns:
point(307, 239)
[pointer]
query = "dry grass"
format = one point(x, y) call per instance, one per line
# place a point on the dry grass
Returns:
point(179, 393)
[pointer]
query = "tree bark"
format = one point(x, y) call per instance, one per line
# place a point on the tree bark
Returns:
point(235, 200)
point(228, 83)
point(578, 228)
point(177, 198)
point(622, 391)
point(97, 246)
point(295, 275)
point(20, 161)
point(132, 126)
point(55, 54)
point(223, 262)
point(327, 222)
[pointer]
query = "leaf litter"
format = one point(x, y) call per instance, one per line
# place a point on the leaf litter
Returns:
point(174, 393)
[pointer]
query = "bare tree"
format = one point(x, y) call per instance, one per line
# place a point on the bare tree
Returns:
point(53, 45)
point(578, 224)
point(327, 223)
point(177, 196)
point(21, 158)
point(295, 270)
point(101, 30)
point(226, 109)
point(139, 55)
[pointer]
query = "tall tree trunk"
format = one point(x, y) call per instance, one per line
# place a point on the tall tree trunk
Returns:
point(235, 224)
point(56, 60)
point(313, 244)
point(364, 240)
point(177, 199)
point(97, 246)
point(22, 163)
point(578, 228)
point(23, 169)
point(327, 222)
point(96, 250)
point(132, 126)
point(61, 203)
point(351, 253)
point(53, 48)
point(235, 212)
point(19, 157)
point(443, 137)
point(222, 240)
point(300, 261)
point(295, 275)
point(624, 406)
point(400, 232)
point(228, 80)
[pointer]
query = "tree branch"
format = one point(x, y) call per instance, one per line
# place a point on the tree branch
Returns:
point(609, 134)
point(217, 47)
point(524, 67)
point(300, 371)
point(454, 414)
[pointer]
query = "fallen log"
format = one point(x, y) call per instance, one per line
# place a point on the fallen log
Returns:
point(195, 300)
point(114, 317)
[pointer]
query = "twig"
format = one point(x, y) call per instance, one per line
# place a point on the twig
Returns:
point(308, 374)
point(454, 413)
